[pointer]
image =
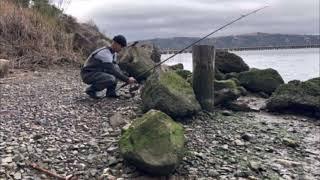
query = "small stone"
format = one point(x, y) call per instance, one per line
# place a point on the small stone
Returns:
point(17, 175)
point(125, 128)
point(290, 142)
point(252, 178)
point(112, 149)
point(225, 147)
point(239, 142)
point(247, 136)
point(93, 172)
point(6, 160)
point(52, 150)
point(213, 173)
point(226, 113)
point(269, 150)
point(243, 174)
point(193, 171)
point(18, 158)
point(200, 155)
point(91, 158)
point(81, 166)
point(75, 152)
point(287, 163)
point(256, 166)
point(117, 120)
point(37, 73)
point(112, 161)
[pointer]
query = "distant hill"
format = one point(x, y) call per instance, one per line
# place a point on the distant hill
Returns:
point(246, 40)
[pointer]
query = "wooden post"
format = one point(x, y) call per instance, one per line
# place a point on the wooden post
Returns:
point(203, 75)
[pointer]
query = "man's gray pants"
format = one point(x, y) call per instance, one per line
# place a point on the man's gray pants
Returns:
point(99, 81)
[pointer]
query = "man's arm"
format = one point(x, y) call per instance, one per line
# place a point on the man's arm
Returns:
point(113, 69)
point(108, 66)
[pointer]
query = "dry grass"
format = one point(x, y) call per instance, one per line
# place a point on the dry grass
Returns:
point(28, 38)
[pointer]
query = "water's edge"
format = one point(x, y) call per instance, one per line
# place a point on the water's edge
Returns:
point(300, 64)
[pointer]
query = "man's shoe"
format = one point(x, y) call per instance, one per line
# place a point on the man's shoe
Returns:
point(112, 95)
point(92, 94)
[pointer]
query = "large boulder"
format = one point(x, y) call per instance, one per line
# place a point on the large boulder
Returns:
point(185, 74)
point(4, 67)
point(218, 75)
point(255, 80)
point(178, 66)
point(297, 97)
point(225, 91)
point(227, 62)
point(155, 54)
point(170, 93)
point(136, 60)
point(153, 143)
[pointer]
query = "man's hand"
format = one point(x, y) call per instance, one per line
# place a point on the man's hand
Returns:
point(131, 80)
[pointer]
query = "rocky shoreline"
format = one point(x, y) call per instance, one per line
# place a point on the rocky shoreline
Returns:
point(47, 119)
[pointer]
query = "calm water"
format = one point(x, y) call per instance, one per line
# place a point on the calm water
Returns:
point(300, 64)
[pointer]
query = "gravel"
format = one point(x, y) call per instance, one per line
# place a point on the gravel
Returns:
point(47, 119)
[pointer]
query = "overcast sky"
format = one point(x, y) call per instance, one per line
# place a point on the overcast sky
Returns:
point(145, 19)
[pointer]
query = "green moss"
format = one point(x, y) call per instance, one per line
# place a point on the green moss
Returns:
point(147, 133)
point(185, 74)
point(267, 80)
point(310, 87)
point(175, 82)
point(230, 84)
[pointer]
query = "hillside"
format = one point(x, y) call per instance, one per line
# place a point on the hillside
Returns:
point(43, 35)
point(248, 40)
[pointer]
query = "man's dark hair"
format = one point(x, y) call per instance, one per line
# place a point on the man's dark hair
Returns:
point(120, 39)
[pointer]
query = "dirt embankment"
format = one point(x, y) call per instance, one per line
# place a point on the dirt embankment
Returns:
point(29, 38)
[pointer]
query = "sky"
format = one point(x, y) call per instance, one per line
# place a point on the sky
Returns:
point(146, 19)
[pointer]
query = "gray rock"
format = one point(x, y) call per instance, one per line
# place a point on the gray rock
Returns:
point(170, 93)
point(247, 136)
point(290, 142)
point(154, 143)
point(93, 172)
point(136, 60)
point(227, 62)
point(226, 113)
point(116, 120)
point(299, 98)
point(255, 80)
point(6, 160)
point(213, 173)
point(17, 175)
point(238, 142)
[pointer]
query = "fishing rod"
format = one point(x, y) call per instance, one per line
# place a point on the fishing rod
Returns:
point(222, 27)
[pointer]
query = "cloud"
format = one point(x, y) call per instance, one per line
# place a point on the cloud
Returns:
point(144, 19)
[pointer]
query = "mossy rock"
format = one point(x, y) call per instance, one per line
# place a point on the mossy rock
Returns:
point(225, 91)
point(255, 80)
point(218, 75)
point(136, 61)
point(227, 62)
point(230, 84)
point(185, 74)
point(170, 93)
point(178, 66)
point(153, 143)
point(297, 97)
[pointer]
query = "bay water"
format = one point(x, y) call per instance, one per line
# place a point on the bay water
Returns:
point(292, 64)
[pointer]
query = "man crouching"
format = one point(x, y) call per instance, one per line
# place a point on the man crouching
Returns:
point(101, 70)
